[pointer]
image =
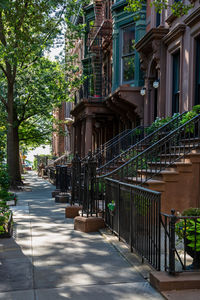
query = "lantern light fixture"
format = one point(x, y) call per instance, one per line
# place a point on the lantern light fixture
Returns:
point(156, 83)
point(143, 91)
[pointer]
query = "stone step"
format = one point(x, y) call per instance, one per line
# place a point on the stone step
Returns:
point(169, 175)
point(157, 185)
point(166, 157)
point(192, 146)
point(180, 165)
point(183, 295)
point(162, 281)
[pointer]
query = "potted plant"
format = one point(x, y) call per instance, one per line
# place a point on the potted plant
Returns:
point(111, 207)
point(6, 221)
point(189, 231)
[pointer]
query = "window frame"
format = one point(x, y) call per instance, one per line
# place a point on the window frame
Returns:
point(197, 70)
point(122, 56)
point(176, 94)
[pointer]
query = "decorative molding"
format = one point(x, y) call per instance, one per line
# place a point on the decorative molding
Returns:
point(174, 34)
point(193, 18)
point(170, 19)
point(145, 44)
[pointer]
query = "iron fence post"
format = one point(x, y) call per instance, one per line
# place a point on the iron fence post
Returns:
point(92, 165)
point(172, 247)
point(76, 178)
point(58, 177)
point(63, 179)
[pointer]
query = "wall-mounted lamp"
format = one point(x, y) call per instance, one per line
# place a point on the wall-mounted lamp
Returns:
point(143, 91)
point(156, 83)
point(97, 124)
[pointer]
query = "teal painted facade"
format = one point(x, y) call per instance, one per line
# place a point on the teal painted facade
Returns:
point(121, 19)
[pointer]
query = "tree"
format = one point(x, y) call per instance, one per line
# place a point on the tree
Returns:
point(178, 8)
point(27, 28)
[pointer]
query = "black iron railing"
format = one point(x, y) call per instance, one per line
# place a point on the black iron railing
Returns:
point(140, 145)
point(181, 243)
point(135, 218)
point(51, 172)
point(119, 144)
point(162, 154)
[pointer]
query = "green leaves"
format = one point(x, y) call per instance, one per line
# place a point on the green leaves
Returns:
point(178, 8)
point(111, 205)
point(189, 229)
point(4, 4)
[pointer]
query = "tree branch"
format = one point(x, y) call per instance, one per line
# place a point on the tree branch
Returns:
point(4, 102)
point(4, 71)
point(24, 110)
point(36, 137)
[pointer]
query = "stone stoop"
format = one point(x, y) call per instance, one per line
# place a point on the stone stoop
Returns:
point(90, 224)
point(182, 295)
point(179, 184)
point(172, 287)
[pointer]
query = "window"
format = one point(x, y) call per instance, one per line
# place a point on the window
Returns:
point(128, 53)
point(197, 75)
point(175, 82)
point(157, 19)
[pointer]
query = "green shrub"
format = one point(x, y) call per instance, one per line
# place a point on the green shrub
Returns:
point(189, 229)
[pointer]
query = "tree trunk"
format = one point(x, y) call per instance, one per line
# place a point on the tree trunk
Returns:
point(13, 142)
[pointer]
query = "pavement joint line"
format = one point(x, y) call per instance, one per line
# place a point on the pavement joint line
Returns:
point(72, 285)
point(141, 269)
point(31, 238)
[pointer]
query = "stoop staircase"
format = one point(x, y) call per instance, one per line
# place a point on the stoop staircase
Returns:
point(170, 165)
point(138, 144)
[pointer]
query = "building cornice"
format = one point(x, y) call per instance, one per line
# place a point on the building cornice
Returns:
point(145, 44)
point(174, 34)
point(119, 4)
point(85, 103)
point(193, 18)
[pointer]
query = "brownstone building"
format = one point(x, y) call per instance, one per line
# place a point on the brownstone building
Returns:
point(170, 59)
point(109, 101)
point(136, 71)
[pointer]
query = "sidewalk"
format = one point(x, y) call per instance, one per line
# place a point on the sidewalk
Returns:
point(47, 259)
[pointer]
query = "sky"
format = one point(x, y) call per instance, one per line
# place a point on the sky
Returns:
point(39, 150)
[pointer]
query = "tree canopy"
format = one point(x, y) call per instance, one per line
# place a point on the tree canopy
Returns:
point(178, 8)
point(31, 86)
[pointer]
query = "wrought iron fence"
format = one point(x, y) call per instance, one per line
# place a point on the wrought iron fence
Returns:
point(141, 144)
point(162, 154)
point(51, 172)
point(135, 218)
point(117, 145)
point(181, 241)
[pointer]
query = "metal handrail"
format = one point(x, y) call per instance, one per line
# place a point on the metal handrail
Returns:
point(139, 147)
point(112, 147)
point(177, 254)
point(140, 168)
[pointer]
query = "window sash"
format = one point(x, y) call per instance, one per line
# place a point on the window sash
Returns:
point(125, 77)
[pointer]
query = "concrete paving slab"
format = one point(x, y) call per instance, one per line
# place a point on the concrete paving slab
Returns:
point(16, 274)
point(99, 259)
point(57, 262)
point(83, 274)
point(122, 291)
point(18, 295)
